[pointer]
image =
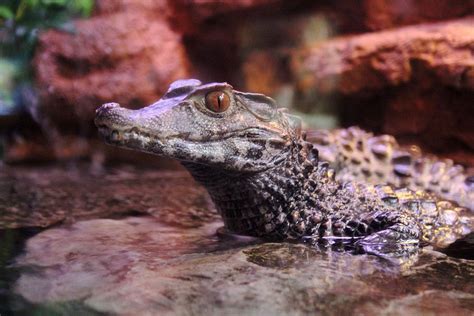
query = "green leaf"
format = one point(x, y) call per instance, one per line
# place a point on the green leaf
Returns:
point(32, 16)
point(84, 6)
point(6, 13)
point(21, 9)
point(54, 2)
point(32, 3)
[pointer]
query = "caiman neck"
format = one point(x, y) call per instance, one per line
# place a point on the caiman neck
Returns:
point(250, 202)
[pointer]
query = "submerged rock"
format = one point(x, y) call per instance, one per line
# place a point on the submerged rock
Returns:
point(142, 266)
point(168, 259)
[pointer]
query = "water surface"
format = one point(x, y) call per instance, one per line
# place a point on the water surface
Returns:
point(127, 241)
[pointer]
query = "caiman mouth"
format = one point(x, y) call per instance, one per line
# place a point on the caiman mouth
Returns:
point(116, 136)
point(120, 136)
point(116, 128)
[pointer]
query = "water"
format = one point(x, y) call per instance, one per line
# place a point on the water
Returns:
point(130, 241)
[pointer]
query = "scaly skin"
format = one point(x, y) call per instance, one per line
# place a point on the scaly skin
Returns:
point(267, 180)
point(358, 155)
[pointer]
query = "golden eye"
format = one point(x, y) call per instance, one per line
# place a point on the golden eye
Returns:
point(217, 101)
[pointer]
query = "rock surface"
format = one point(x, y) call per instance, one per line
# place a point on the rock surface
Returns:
point(198, 10)
point(140, 266)
point(105, 60)
point(337, 64)
point(383, 14)
point(42, 197)
point(415, 83)
point(439, 119)
point(98, 258)
point(375, 61)
point(435, 117)
point(159, 7)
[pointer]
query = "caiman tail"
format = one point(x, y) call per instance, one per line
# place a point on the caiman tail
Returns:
point(358, 155)
point(442, 222)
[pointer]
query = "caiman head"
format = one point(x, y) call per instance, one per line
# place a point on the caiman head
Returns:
point(210, 124)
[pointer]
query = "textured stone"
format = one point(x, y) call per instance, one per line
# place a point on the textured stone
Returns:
point(174, 262)
point(161, 7)
point(202, 9)
point(68, 147)
point(139, 266)
point(106, 59)
point(437, 118)
point(383, 14)
point(375, 61)
point(33, 197)
point(263, 72)
point(349, 16)
point(245, 42)
point(424, 112)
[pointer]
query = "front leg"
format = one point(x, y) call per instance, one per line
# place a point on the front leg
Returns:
point(386, 233)
point(391, 234)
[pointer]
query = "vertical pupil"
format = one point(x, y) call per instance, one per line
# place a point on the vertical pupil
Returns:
point(220, 98)
point(217, 101)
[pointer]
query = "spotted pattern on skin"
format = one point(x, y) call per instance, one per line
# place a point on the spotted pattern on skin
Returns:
point(267, 180)
point(361, 156)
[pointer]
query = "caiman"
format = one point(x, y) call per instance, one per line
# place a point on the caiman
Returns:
point(267, 180)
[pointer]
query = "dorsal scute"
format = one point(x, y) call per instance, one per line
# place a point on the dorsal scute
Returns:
point(294, 122)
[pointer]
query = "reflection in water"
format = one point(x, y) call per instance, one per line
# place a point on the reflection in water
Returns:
point(138, 265)
point(170, 260)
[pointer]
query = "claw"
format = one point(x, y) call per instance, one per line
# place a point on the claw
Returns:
point(387, 242)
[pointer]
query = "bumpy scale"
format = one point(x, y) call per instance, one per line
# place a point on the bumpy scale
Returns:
point(268, 181)
point(358, 155)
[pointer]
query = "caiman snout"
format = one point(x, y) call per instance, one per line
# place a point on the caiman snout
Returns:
point(108, 106)
point(113, 116)
point(113, 122)
point(104, 113)
point(136, 129)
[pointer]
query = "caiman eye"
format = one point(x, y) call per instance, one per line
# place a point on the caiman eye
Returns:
point(217, 101)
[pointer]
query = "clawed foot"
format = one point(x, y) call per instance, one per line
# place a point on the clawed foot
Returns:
point(389, 244)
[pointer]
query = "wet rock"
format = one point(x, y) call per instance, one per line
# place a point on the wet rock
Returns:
point(105, 60)
point(277, 257)
point(180, 261)
point(142, 266)
point(372, 62)
point(31, 197)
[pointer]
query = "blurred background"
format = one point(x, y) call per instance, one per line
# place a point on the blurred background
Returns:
point(401, 67)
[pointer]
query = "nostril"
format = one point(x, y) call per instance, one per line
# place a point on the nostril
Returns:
point(110, 105)
point(106, 106)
